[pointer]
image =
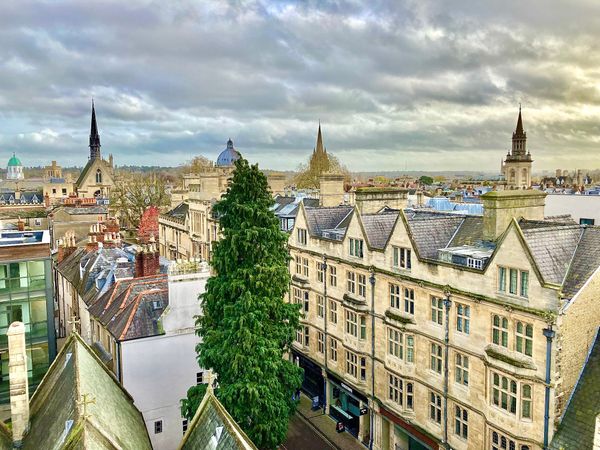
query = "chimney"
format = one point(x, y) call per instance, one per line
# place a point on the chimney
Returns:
point(139, 262)
point(19, 389)
point(420, 201)
point(500, 207)
point(331, 189)
point(372, 200)
point(21, 224)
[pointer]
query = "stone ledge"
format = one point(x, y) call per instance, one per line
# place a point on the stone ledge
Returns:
point(506, 357)
point(399, 317)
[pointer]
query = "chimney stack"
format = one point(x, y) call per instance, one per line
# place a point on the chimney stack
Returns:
point(372, 200)
point(21, 224)
point(19, 388)
point(500, 207)
point(331, 189)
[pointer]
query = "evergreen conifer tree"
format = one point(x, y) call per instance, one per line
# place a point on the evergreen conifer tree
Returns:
point(246, 326)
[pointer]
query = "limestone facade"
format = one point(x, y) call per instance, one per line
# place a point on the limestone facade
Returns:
point(439, 354)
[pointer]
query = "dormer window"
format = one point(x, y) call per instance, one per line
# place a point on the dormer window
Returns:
point(356, 247)
point(475, 263)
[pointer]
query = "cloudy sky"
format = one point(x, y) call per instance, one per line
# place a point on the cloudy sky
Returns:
point(417, 85)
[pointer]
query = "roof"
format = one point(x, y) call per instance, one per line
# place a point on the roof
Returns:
point(56, 420)
point(228, 156)
point(432, 231)
point(287, 206)
point(213, 428)
point(326, 218)
point(586, 260)
point(14, 161)
point(131, 308)
point(179, 212)
point(378, 227)
point(577, 428)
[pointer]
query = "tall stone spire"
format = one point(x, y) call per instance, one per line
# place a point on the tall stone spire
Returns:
point(94, 136)
point(320, 148)
point(519, 130)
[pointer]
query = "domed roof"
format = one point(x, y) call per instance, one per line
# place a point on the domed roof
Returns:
point(14, 161)
point(229, 155)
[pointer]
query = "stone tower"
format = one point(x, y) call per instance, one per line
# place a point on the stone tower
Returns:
point(517, 165)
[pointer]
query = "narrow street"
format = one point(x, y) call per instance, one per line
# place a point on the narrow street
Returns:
point(302, 436)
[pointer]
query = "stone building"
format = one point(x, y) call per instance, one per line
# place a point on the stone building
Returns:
point(516, 168)
point(57, 188)
point(97, 177)
point(426, 330)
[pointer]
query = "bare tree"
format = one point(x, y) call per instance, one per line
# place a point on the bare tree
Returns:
point(133, 193)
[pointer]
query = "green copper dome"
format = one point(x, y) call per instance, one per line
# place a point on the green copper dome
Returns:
point(14, 161)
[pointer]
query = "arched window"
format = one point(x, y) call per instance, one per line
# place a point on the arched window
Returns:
point(524, 175)
point(98, 176)
point(512, 174)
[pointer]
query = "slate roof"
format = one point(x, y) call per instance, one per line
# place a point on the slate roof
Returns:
point(552, 248)
point(213, 428)
point(326, 218)
point(287, 206)
point(179, 212)
point(56, 420)
point(130, 308)
point(576, 430)
point(431, 231)
point(470, 232)
point(378, 227)
point(585, 261)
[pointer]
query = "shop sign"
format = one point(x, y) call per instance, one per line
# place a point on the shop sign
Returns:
point(345, 386)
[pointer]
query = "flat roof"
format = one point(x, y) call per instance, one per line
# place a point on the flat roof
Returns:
point(9, 238)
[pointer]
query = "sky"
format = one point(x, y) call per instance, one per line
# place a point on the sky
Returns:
point(396, 85)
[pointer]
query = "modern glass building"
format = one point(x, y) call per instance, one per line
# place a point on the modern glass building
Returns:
point(26, 296)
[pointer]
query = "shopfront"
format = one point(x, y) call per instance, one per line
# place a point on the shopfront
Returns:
point(406, 436)
point(345, 404)
point(313, 384)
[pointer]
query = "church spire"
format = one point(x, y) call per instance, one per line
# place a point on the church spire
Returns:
point(319, 148)
point(519, 130)
point(94, 136)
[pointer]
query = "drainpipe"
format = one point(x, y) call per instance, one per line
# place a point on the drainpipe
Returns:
point(325, 337)
point(372, 413)
point(447, 304)
point(549, 333)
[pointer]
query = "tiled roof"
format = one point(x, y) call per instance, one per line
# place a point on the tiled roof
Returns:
point(576, 430)
point(585, 261)
point(469, 232)
point(56, 413)
point(319, 219)
point(130, 309)
point(179, 212)
point(552, 248)
point(378, 227)
point(213, 428)
point(431, 232)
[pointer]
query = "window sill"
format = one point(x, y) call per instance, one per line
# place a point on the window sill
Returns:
point(506, 356)
point(299, 279)
point(361, 301)
point(393, 315)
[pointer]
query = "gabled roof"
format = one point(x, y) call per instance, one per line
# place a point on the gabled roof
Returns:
point(56, 409)
point(130, 309)
point(378, 227)
point(585, 261)
point(552, 248)
point(577, 428)
point(326, 218)
point(179, 212)
point(431, 231)
point(213, 428)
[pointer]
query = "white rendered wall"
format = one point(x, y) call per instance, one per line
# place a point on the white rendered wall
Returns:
point(579, 206)
point(157, 372)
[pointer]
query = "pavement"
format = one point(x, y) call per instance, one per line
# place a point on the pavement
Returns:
point(314, 430)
